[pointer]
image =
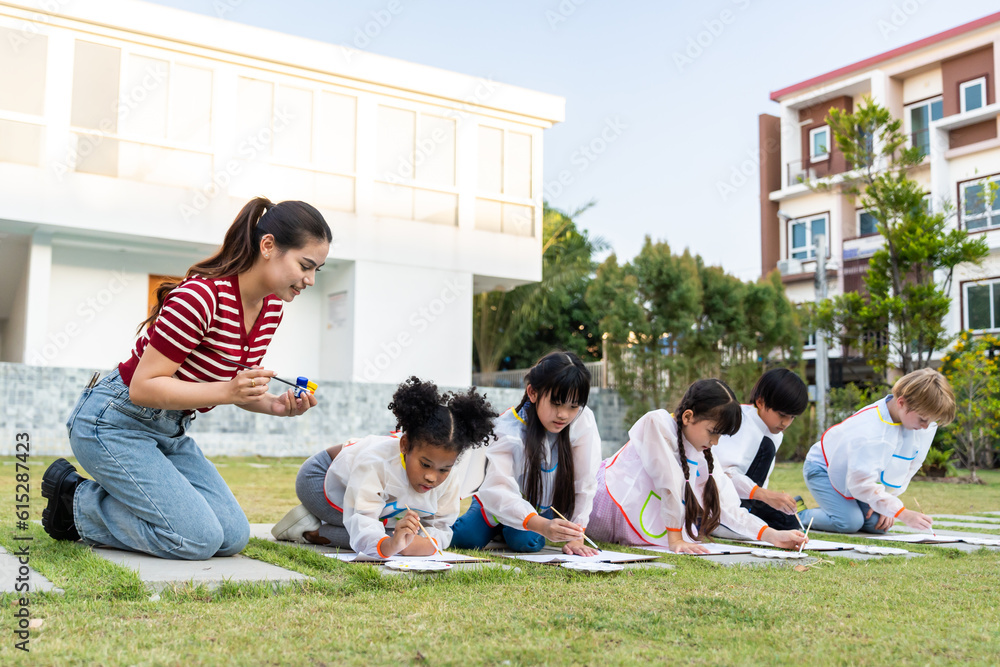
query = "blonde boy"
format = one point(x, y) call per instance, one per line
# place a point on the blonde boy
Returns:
point(860, 467)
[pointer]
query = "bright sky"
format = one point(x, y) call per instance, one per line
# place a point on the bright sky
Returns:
point(677, 85)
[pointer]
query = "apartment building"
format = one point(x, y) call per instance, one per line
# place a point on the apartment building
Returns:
point(944, 90)
point(131, 134)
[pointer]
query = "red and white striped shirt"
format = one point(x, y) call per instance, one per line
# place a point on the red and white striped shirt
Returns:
point(200, 326)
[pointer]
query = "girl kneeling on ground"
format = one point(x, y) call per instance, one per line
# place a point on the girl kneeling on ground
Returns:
point(660, 488)
point(545, 458)
point(371, 495)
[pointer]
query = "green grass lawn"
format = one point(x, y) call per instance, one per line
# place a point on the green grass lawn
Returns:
point(940, 609)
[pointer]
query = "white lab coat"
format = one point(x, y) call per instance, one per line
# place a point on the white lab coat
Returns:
point(646, 482)
point(871, 458)
point(735, 453)
point(501, 493)
point(368, 483)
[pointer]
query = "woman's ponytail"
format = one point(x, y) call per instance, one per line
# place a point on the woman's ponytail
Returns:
point(292, 224)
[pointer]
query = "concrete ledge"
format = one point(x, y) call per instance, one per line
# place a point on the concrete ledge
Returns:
point(159, 573)
point(10, 568)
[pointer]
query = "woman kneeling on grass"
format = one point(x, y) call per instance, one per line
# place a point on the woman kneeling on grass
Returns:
point(370, 495)
point(153, 489)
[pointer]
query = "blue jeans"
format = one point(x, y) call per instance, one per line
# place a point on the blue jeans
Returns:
point(472, 532)
point(836, 514)
point(153, 490)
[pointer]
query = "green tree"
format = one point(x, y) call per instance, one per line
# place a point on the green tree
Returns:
point(668, 320)
point(909, 279)
point(511, 329)
point(972, 367)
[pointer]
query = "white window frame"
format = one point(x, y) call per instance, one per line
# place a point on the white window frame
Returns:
point(810, 342)
point(994, 316)
point(962, 87)
point(809, 249)
point(992, 217)
point(820, 156)
point(908, 118)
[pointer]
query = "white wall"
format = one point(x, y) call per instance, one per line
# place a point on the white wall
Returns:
point(412, 322)
point(294, 350)
point(337, 322)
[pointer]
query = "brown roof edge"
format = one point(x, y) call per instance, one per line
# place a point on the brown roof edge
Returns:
point(888, 55)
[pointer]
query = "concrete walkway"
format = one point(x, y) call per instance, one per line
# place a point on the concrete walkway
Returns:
point(10, 572)
point(160, 573)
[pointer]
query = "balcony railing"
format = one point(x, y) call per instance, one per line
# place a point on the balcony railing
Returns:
point(796, 173)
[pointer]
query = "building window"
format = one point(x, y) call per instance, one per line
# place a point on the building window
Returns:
point(22, 96)
point(415, 162)
point(920, 117)
point(802, 234)
point(819, 143)
point(980, 204)
point(982, 310)
point(867, 224)
point(810, 342)
point(504, 182)
point(972, 94)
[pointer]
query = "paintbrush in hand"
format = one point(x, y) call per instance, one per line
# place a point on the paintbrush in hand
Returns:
point(807, 534)
point(559, 514)
point(426, 534)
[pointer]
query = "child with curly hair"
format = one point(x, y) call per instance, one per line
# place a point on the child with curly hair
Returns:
point(370, 495)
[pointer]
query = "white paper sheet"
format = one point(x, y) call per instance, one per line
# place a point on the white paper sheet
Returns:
point(917, 538)
point(812, 545)
point(444, 556)
point(714, 549)
point(601, 557)
point(926, 538)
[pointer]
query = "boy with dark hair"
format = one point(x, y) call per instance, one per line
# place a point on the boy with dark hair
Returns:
point(748, 457)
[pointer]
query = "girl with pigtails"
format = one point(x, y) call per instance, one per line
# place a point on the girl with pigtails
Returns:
point(153, 490)
point(662, 487)
point(543, 463)
point(371, 495)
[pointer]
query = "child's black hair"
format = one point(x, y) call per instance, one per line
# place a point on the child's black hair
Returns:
point(707, 399)
point(565, 379)
point(782, 391)
point(454, 421)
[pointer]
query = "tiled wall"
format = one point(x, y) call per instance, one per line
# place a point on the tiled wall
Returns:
point(38, 400)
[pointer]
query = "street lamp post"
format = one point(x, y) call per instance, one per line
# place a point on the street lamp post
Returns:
point(822, 360)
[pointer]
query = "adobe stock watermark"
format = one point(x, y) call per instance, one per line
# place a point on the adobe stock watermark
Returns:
point(585, 155)
point(365, 34)
point(86, 312)
point(248, 150)
point(32, 27)
point(562, 12)
point(224, 7)
point(153, 77)
point(899, 15)
point(703, 40)
point(425, 146)
point(420, 321)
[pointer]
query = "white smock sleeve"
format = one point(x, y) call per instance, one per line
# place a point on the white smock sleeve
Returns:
point(654, 438)
point(499, 493)
point(448, 505)
point(735, 517)
point(743, 486)
point(363, 505)
point(863, 465)
point(585, 441)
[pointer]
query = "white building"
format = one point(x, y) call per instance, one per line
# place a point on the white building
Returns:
point(944, 90)
point(131, 134)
